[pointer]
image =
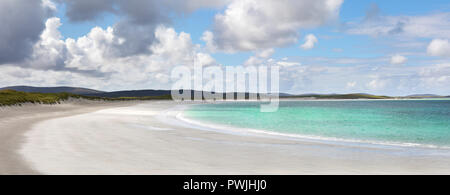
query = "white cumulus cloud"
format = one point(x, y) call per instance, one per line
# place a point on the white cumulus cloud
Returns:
point(249, 25)
point(439, 47)
point(260, 57)
point(91, 57)
point(310, 42)
point(398, 59)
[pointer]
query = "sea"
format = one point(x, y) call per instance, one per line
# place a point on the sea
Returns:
point(415, 123)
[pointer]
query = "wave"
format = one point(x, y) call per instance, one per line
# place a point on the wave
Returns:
point(204, 125)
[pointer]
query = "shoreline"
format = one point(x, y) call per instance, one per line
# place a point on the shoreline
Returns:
point(147, 139)
point(242, 131)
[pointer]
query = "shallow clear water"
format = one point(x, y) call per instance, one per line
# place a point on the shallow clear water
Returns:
point(424, 122)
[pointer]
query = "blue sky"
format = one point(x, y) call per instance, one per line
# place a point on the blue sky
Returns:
point(387, 47)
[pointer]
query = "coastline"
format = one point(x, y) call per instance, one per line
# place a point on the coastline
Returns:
point(149, 139)
point(205, 125)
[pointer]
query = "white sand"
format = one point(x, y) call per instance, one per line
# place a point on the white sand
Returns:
point(146, 139)
point(15, 121)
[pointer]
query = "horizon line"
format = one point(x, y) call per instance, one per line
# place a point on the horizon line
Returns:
point(287, 93)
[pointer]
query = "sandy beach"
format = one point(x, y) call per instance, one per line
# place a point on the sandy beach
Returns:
point(15, 121)
point(148, 138)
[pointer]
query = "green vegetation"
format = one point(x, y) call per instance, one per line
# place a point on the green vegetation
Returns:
point(11, 97)
point(342, 96)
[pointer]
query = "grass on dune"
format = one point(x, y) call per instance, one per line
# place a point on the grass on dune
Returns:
point(11, 97)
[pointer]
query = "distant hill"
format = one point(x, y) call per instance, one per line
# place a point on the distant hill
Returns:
point(153, 93)
point(285, 95)
point(73, 90)
point(96, 93)
point(166, 93)
point(135, 93)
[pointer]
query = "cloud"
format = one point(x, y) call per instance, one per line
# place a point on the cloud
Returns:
point(49, 5)
point(439, 47)
point(310, 41)
point(139, 18)
point(249, 25)
point(93, 57)
point(140, 51)
point(137, 51)
point(266, 53)
point(398, 59)
point(346, 61)
point(83, 10)
point(89, 63)
point(298, 79)
point(288, 64)
point(436, 25)
point(50, 51)
point(137, 11)
point(436, 76)
point(260, 57)
point(351, 84)
point(22, 23)
point(406, 31)
point(208, 38)
point(316, 77)
point(377, 84)
point(14, 75)
point(192, 5)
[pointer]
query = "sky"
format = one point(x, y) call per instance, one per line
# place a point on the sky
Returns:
point(322, 46)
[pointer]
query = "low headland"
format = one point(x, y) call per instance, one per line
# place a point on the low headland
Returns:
point(54, 95)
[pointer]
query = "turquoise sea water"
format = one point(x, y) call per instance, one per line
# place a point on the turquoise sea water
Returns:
point(422, 122)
